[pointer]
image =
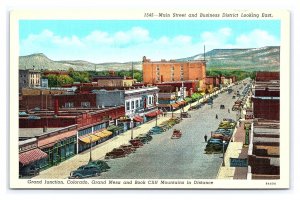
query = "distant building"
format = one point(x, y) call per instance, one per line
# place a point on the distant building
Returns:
point(113, 81)
point(168, 71)
point(29, 78)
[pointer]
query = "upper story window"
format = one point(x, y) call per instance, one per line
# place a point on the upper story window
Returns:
point(69, 105)
point(85, 104)
point(157, 68)
point(127, 105)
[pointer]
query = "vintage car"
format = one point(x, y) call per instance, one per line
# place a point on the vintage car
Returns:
point(221, 136)
point(144, 138)
point(101, 164)
point(116, 153)
point(195, 107)
point(85, 171)
point(176, 134)
point(136, 143)
point(222, 106)
point(215, 146)
point(128, 146)
point(185, 115)
point(156, 130)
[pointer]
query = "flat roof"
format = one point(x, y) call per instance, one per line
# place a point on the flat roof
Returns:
point(33, 132)
point(266, 131)
point(266, 140)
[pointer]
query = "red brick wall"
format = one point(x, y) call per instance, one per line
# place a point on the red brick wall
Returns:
point(267, 93)
point(33, 101)
point(192, 71)
point(64, 120)
point(267, 76)
point(266, 109)
point(77, 99)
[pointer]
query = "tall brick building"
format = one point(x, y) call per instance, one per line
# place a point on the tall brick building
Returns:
point(168, 71)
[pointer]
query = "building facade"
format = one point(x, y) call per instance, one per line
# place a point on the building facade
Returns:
point(29, 78)
point(266, 96)
point(169, 71)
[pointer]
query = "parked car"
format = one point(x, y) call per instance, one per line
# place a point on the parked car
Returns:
point(116, 153)
point(136, 143)
point(144, 138)
point(156, 130)
point(222, 106)
point(101, 164)
point(128, 146)
point(221, 136)
point(85, 171)
point(233, 97)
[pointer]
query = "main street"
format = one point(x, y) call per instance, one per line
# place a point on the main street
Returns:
point(184, 158)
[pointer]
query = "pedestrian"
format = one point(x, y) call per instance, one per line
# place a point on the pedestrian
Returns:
point(205, 138)
point(216, 116)
point(228, 110)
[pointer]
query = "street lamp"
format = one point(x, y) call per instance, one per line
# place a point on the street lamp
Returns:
point(90, 149)
point(156, 117)
point(223, 163)
point(131, 123)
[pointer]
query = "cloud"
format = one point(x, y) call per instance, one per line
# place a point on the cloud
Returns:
point(136, 42)
point(257, 38)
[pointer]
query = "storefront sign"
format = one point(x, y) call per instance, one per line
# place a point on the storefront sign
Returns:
point(238, 162)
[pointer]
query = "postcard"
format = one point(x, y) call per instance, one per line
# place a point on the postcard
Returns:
point(170, 98)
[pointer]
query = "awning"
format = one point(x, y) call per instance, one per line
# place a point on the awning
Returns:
point(174, 105)
point(181, 103)
point(91, 138)
point(138, 119)
point(154, 113)
point(103, 134)
point(51, 140)
point(31, 156)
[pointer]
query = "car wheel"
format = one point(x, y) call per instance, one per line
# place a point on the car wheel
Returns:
point(77, 177)
point(97, 174)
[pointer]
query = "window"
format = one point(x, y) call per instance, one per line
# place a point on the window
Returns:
point(132, 105)
point(69, 105)
point(157, 68)
point(127, 105)
point(137, 103)
point(85, 104)
point(149, 100)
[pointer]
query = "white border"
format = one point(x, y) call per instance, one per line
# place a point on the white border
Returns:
point(120, 14)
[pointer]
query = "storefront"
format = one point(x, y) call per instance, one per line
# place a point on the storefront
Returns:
point(59, 145)
point(31, 159)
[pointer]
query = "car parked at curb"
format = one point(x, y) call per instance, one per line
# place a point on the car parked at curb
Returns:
point(85, 171)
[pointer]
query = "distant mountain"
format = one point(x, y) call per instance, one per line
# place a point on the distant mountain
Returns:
point(41, 61)
point(265, 58)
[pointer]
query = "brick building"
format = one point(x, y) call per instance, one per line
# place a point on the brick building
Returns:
point(46, 101)
point(113, 81)
point(168, 71)
point(67, 117)
point(266, 96)
point(263, 153)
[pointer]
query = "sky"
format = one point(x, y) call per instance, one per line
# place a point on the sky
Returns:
point(100, 41)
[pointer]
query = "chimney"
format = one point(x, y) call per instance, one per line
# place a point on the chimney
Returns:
point(56, 106)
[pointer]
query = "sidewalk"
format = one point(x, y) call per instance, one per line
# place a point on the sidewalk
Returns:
point(235, 149)
point(63, 169)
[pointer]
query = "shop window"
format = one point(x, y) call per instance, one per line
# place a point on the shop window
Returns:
point(69, 105)
point(132, 105)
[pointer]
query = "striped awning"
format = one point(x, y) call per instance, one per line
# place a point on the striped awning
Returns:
point(90, 139)
point(31, 156)
point(103, 134)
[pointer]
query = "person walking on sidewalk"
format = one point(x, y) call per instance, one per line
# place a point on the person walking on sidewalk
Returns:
point(216, 116)
point(205, 138)
point(228, 110)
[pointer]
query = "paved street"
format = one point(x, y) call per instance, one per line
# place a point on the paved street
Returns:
point(184, 158)
point(162, 157)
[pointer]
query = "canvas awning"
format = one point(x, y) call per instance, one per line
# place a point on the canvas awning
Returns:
point(31, 156)
point(103, 134)
point(138, 119)
point(90, 139)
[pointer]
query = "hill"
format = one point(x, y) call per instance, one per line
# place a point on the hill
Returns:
point(252, 59)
